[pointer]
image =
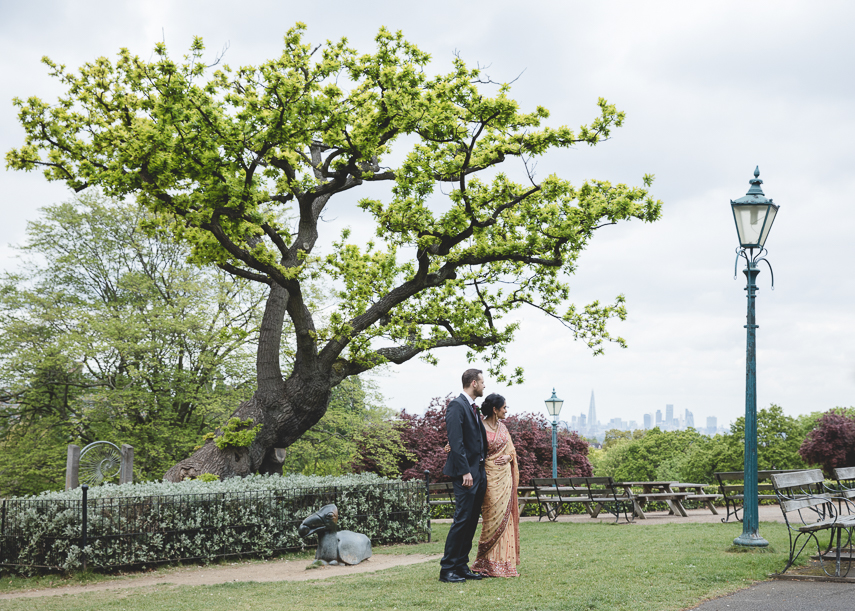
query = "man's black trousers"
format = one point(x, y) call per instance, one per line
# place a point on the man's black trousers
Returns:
point(467, 509)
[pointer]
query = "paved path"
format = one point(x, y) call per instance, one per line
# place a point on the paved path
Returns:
point(270, 570)
point(787, 596)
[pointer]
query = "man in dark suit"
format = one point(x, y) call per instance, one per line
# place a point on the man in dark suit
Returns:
point(465, 465)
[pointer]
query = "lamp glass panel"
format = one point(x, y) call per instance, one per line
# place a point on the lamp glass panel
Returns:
point(554, 406)
point(769, 220)
point(749, 223)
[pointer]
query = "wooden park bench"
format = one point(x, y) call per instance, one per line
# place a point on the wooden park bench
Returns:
point(551, 493)
point(845, 477)
point(594, 493)
point(733, 493)
point(809, 508)
point(441, 493)
point(603, 493)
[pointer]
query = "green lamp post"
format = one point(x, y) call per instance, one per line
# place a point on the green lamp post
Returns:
point(753, 215)
point(553, 406)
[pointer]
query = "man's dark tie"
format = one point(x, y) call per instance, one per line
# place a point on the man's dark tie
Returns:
point(475, 411)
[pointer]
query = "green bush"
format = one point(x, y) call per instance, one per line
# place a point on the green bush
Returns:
point(158, 522)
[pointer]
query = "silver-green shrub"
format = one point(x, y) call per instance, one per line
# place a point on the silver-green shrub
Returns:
point(153, 522)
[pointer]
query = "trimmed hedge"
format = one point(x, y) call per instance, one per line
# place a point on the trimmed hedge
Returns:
point(158, 522)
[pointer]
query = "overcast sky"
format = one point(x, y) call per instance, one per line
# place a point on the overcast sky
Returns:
point(710, 90)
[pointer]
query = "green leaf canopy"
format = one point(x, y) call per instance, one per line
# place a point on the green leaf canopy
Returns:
point(241, 163)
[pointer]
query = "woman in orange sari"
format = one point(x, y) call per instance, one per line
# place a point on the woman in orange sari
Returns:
point(499, 546)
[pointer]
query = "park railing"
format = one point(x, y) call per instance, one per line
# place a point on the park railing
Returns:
point(119, 532)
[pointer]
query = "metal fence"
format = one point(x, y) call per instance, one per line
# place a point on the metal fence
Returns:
point(116, 532)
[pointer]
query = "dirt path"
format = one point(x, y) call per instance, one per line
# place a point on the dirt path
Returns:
point(272, 570)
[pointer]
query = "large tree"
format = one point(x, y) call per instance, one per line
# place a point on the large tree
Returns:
point(107, 333)
point(242, 163)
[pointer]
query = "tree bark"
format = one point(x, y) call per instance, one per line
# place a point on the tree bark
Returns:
point(286, 408)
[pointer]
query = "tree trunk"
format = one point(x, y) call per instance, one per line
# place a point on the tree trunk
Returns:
point(285, 408)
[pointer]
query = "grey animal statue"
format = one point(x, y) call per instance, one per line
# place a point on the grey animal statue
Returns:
point(335, 546)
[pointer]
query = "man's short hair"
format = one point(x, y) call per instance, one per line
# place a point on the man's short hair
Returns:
point(469, 376)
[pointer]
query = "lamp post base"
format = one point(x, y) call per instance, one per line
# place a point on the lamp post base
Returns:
point(749, 540)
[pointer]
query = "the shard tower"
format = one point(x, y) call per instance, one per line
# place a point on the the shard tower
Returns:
point(592, 412)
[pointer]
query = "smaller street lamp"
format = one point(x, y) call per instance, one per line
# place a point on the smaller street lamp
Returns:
point(553, 406)
point(754, 214)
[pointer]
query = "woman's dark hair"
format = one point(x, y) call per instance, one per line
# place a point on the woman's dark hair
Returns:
point(493, 402)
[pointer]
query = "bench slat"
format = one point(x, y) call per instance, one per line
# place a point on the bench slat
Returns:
point(842, 473)
point(826, 524)
point(797, 478)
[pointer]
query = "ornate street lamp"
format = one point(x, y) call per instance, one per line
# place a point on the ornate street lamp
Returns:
point(553, 406)
point(753, 215)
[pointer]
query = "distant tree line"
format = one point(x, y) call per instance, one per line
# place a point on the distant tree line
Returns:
point(783, 442)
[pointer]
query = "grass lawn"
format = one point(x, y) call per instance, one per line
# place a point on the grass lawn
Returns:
point(564, 566)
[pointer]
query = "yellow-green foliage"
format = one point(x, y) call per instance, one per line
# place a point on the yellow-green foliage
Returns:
point(222, 155)
point(235, 435)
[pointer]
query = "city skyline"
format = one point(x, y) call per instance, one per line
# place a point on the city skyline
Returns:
point(591, 426)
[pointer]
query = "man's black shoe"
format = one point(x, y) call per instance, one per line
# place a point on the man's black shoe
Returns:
point(467, 574)
point(450, 577)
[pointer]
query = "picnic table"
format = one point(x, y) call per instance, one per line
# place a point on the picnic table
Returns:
point(655, 491)
point(525, 495)
point(671, 492)
point(697, 493)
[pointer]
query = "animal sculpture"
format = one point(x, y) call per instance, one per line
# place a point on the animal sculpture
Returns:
point(335, 546)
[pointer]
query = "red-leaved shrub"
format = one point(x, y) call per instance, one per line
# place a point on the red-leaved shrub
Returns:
point(424, 438)
point(831, 443)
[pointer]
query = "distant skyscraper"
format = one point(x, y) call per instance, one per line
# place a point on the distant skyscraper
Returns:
point(581, 421)
point(648, 421)
point(658, 417)
point(669, 414)
point(712, 425)
point(690, 419)
point(592, 412)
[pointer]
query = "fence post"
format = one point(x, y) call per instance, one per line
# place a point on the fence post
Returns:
point(84, 525)
point(72, 467)
point(427, 499)
point(126, 470)
point(3, 534)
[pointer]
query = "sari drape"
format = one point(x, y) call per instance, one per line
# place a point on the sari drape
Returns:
point(499, 546)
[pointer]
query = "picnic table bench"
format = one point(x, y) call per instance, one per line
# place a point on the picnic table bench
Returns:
point(809, 508)
point(697, 493)
point(733, 493)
